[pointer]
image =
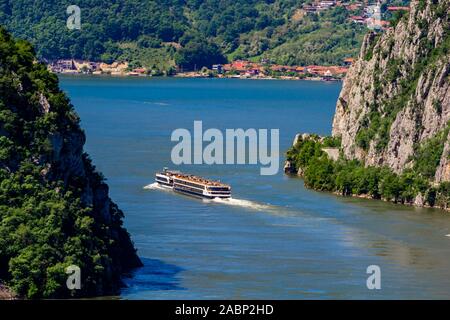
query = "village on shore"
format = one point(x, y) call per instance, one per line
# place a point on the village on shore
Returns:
point(242, 69)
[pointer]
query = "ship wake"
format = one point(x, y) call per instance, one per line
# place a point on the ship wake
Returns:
point(155, 186)
point(241, 203)
point(230, 201)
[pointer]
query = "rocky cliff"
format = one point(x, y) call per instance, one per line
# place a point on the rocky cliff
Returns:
point(55, 210)
point(396, 97)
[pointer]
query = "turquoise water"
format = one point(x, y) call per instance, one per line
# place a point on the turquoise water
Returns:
point(276, 239)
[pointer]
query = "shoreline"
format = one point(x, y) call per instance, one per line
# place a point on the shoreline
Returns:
point(316, 79)
point(240, 69)
point(368, 197)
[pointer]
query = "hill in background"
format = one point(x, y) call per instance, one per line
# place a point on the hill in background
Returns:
point(190, 33)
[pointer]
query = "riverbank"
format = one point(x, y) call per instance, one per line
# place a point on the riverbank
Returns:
point(188, 75)
point(319, 161)
point(257, 77)
point(240, 69)
point(369, 197)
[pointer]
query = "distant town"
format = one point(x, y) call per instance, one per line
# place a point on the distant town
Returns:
point(245, 69)
point(237, 69)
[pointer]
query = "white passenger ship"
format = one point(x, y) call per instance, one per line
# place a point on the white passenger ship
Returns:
point(192, 185)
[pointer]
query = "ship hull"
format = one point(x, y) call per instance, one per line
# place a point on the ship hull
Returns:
point(193, 194)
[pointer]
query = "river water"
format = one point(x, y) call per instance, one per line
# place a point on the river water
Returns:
point(274, 239)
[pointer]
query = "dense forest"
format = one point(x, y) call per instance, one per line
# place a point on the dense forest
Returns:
point(189, 33)
point(54, 206)
point(351, 177)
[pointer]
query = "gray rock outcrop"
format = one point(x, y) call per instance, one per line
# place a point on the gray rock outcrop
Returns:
point(401, 75)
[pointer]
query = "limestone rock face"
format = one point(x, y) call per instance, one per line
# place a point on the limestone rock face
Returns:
point(288, 167)
point(43, 102)
point(332, 153)
point(403, 76)
point(419, 200)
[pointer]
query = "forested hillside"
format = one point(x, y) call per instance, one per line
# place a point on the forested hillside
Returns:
point(185, 32)
point(54, 206)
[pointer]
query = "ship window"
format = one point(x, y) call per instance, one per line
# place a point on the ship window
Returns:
point(219, 188)
point(190, 184)
point(188, 189)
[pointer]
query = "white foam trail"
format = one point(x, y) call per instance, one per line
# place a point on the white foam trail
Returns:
point(242, 203)
point(154, 186)
point(231, 201)
point(156, 103)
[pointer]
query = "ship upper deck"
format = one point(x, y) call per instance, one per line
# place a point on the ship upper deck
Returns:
point(195, 179)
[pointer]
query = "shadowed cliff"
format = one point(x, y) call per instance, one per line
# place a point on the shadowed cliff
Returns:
point(55, 210)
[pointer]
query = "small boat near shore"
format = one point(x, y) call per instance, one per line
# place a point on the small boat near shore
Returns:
point(192, 185)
